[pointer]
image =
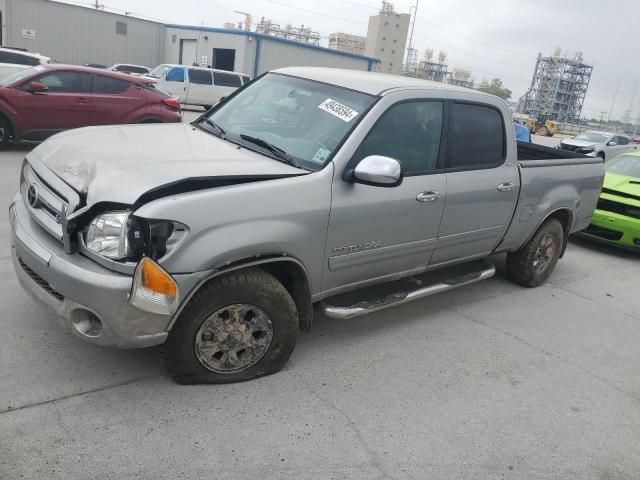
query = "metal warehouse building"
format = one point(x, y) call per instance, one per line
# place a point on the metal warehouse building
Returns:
point(78, 35)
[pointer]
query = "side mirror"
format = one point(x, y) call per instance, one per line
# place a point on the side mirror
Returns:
point(37, 87)
point(379, 171)
point(611, 144)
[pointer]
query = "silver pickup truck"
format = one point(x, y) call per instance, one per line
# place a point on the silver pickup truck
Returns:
point(347, 190)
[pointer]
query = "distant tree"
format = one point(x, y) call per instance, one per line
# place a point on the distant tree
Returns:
point(495, 87)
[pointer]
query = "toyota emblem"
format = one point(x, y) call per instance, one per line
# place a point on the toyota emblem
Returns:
point(32, 196)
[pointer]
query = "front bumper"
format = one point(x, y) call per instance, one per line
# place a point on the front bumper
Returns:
point(72, 286)
point(614, 229)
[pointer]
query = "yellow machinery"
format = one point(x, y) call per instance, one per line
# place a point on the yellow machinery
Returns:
point(548, 129)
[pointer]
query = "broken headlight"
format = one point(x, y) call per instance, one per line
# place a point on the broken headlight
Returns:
point(122, 236)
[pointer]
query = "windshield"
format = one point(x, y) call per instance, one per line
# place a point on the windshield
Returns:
point(17, 76)
point(592, 137)
point(159, 71)
point(628, 165)
point(305, 120)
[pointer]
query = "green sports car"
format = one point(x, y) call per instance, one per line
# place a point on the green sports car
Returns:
point(617, 216)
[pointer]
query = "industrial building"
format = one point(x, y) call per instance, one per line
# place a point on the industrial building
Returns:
point(347, 42)
point(387, 37)
point(558, 88)
point(78, 35)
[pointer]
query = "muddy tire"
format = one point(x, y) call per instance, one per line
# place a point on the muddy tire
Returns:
point(5, 132)
point(237, 327)
point(532, 265)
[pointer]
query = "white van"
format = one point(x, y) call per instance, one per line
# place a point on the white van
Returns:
point(197, 85)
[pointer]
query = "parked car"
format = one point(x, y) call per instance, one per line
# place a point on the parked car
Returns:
point(605, 145)
point(43, 100)
point(217, 238)
point(197, 85)
point(21, 57)
point(635, 139)
point(617, 216)
point(131, 69)
point(7, 69)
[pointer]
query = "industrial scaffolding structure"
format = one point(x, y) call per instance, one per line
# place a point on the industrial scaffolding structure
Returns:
point(558, 88)
point(429, 68)
point(300, 34)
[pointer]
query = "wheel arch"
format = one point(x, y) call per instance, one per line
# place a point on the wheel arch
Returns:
point(289, 271)
point(565, 216)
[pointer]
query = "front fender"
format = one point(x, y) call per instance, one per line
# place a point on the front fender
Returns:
point(285, 216)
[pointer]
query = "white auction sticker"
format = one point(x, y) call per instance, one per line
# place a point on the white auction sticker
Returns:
point(339, 110)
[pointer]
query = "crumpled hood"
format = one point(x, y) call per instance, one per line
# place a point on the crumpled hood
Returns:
point(122, 162)
point(578, 143)
point(622, 183)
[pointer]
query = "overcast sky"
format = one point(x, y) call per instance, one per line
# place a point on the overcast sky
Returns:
point(492, 38)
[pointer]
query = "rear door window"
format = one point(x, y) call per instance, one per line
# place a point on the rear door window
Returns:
point(623, 140)
point(109, 85)
point(476, 137)
point(200, 77)
point(226, 79)
point(175, 75)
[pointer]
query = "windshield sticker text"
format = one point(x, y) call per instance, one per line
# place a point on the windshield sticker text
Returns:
point(321, 155)
point(337, 109)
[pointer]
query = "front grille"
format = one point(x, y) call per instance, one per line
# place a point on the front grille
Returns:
point(49, 205)
point(40, 281)
point(605, 233)
point(619, 208)
point(569, 148)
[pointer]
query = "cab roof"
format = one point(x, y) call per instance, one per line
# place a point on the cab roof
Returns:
point(369, 82)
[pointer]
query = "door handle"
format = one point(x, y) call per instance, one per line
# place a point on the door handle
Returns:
point(505, 187)
point(428, 196)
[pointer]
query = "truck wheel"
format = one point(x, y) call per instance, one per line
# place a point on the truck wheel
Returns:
point(237, 327)
point(543, 131)
point(532, 265)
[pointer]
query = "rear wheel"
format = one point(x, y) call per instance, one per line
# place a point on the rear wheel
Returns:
point(5, 132)
point(532, 265)
point(543, 131)
point(237, 327)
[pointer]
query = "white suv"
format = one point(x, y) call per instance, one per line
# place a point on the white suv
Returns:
point(12, 60)
point(197, 85)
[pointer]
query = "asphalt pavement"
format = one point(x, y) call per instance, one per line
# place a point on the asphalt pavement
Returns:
point(493, 381)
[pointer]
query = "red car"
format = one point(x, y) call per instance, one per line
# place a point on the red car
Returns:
point(46, 99)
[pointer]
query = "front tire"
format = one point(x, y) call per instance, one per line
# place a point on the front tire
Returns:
point(237, 327)
point(532, 265)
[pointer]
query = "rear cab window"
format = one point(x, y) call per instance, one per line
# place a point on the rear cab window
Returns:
point(476, 137)
point(200, 77)
point(226, 79)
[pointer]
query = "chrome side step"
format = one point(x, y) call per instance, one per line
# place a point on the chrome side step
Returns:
point(426, 287)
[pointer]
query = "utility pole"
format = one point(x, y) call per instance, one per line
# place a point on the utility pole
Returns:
point(615, 95)
point(602, 116)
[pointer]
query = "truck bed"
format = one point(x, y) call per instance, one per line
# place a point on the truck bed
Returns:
point(531, 151)
point(550, 180)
